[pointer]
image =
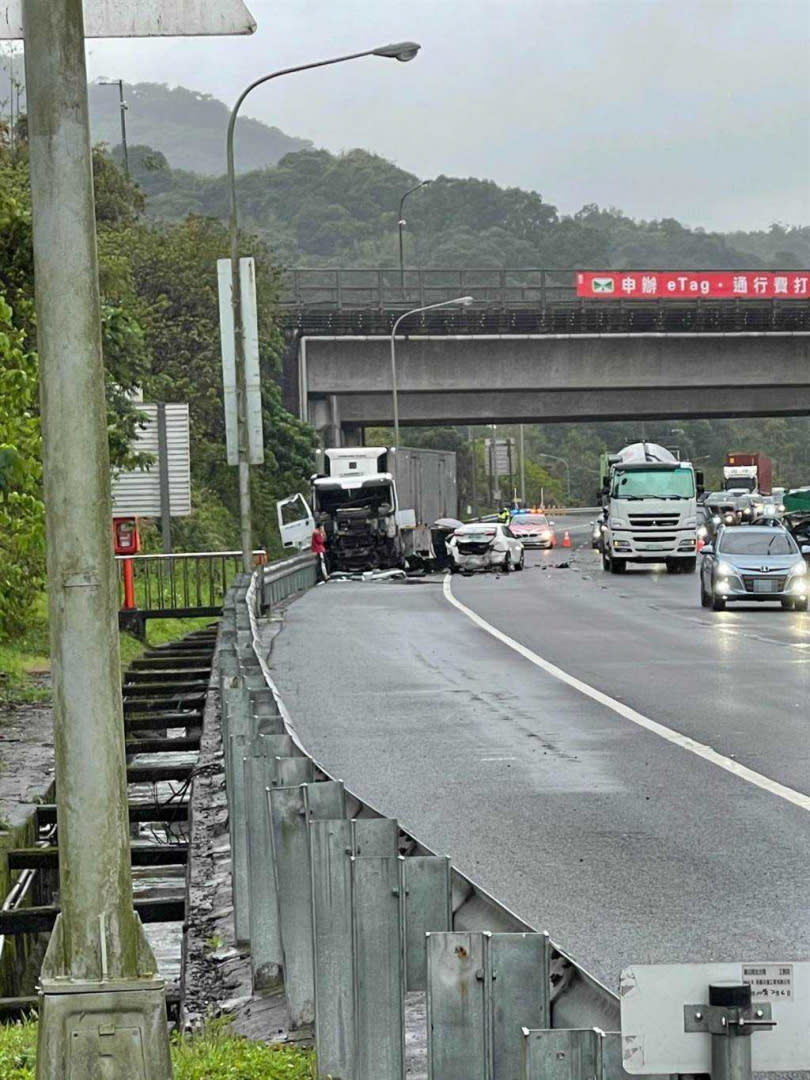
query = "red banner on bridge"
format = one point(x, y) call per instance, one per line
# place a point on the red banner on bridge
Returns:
point(693, 285)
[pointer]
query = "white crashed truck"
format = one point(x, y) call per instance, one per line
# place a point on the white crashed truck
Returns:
point(650, 509)
point(377, 506)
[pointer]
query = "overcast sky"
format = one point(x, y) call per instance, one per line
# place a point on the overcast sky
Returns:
point(694, 109)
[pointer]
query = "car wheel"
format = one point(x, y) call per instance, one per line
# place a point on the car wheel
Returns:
point(705, 597)
point(718, 603)
point(800, 604)
point(605, 561)
point(787, 605)
point(618, 566)
point(522, 562)
point(507, 565)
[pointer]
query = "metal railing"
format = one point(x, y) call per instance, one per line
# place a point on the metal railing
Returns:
point(185, 584)
point(381, 288)
point(364, 923)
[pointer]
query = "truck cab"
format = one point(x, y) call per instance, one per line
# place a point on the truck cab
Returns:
point(650, 510)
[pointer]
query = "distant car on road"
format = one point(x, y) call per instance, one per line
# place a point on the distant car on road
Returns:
point(754, 563)
point(485, 546)
point(533, 529)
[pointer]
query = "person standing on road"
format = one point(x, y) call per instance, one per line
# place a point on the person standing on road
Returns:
point(318, 547)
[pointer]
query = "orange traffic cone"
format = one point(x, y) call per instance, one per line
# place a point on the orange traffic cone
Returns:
point(566, 539)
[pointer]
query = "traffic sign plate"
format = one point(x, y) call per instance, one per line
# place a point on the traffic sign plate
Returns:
point(653, 997)
point(146, 18)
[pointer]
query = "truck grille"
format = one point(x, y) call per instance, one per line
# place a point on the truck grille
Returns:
point(770, 584)
point(653, 521)
point(653, 538)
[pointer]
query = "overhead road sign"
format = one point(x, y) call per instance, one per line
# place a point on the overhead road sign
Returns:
point(147, 18)
point(662, 1010)
point(693, 284)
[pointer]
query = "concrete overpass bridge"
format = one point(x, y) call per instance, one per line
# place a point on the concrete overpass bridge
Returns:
point(528, 350)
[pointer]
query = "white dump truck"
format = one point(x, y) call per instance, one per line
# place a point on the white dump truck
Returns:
point(378, 506)
point(649, 503)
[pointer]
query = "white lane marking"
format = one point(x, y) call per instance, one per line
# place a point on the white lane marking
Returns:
point(773, 787)
point(498, 759)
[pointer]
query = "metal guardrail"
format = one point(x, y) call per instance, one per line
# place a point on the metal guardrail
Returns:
point(360, 919)
point(286, 577)
point(183, 584)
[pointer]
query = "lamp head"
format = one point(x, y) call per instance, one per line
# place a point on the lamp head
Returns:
point(400, 50)
point(465, 301)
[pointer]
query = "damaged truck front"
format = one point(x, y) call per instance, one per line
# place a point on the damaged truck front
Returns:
point(356, 501)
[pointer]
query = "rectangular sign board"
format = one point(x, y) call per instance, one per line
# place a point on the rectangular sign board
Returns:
point(146, 18)
point(653, 997)
point(693, 285)
point(255, 432)
point(136, 493)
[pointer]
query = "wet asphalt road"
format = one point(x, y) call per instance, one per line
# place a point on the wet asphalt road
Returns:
point(623, 846)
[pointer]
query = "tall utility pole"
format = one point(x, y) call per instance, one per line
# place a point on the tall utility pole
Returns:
point(101, 995)
point(123, 110)
point(522, 464)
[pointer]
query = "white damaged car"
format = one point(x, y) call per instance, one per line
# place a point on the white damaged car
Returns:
point(486, 545)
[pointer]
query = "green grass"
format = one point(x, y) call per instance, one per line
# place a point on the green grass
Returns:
point(25, 659)
point(22, 658)
point(214, 1054)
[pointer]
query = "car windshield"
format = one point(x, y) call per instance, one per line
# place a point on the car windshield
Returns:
point(530, 519)
point(746, 542)
point(654, 484)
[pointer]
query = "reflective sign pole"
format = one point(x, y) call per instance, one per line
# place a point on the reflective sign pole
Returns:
point(102, 1005)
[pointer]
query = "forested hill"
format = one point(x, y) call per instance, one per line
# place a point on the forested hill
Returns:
point(315, 208)
point(188, 126)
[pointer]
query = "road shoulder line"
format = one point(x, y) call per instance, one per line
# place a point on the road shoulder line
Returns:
point(765, 783)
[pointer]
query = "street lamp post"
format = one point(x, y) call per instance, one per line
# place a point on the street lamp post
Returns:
point(464, 301)
point(401, 227)
point(403, 51)
point(123, 109)
point(567, 470)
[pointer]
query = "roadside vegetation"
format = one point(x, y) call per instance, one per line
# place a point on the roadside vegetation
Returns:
point(214, 1054)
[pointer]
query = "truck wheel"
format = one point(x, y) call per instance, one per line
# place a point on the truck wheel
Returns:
point(688, 566)
point(618, 566)
point(673, 566)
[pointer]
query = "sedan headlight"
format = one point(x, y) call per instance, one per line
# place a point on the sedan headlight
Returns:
point(799, 569)
point(725, 569)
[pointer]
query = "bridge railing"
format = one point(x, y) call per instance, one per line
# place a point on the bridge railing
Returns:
point(342, 288)
point(182, 585)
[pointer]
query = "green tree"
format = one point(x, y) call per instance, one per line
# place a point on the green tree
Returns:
point(22, 537)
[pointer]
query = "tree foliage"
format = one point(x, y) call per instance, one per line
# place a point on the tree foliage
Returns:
point(22, 547)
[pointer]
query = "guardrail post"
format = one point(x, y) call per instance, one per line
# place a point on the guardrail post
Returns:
point(428, 909)
point(458, 1039)
point(483, 989)
point(330, 847)
point(379, 990)
point(266, 957)
point(562, 1054)
point(289, 809)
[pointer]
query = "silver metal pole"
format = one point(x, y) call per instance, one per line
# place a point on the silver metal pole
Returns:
point(97, 946)
point(465, 301)
point(522, 465)
point(403, 51)
point(401, 223)
point(123, 109)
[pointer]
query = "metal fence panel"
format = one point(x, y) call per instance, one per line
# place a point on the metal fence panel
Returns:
point(266, 956)
point(375, 836)
point(292, 771)
point(276, 746)
point(291, 859)
point(330, 847)
point(562, 1054)
point(428, 909)
point(326, 799)
point(379, 991)
point(458, 1043)
point(238, 830)
point(518, 983)
point(612, 1068)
